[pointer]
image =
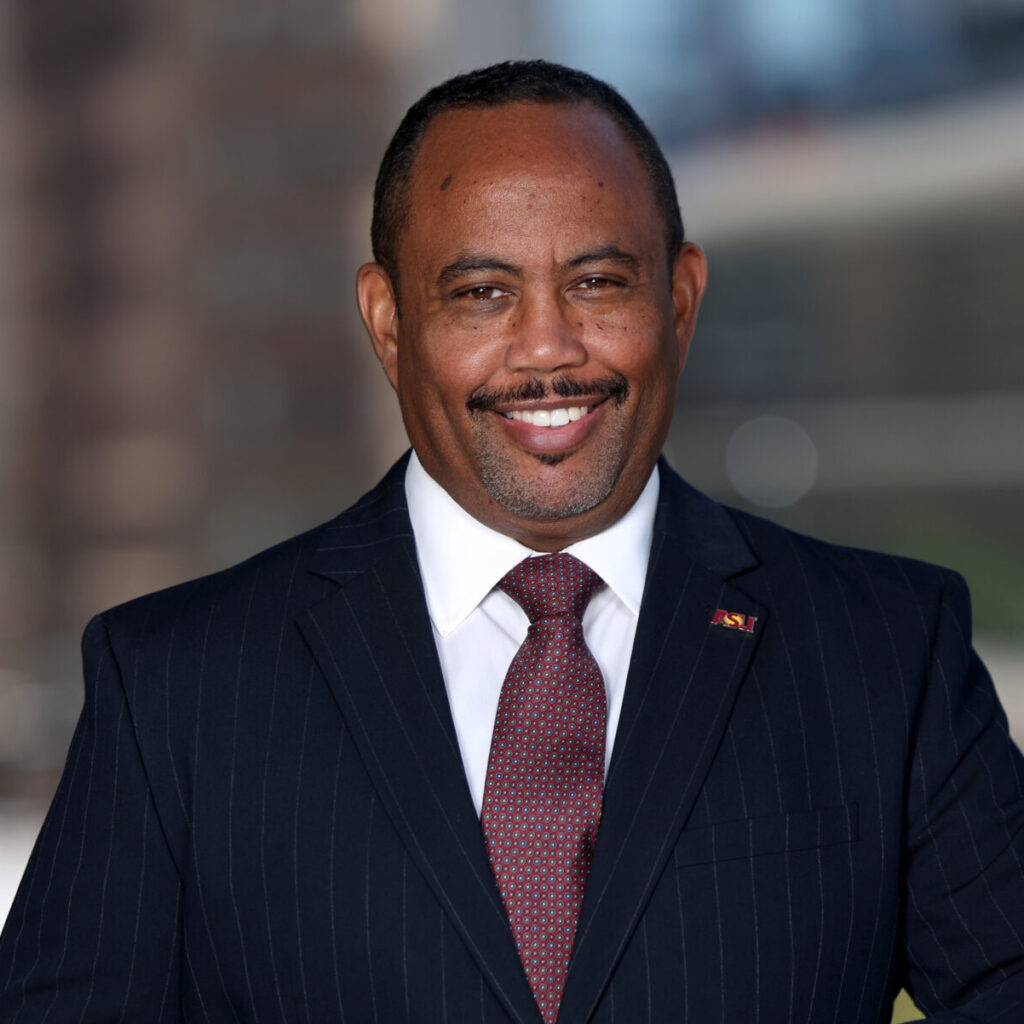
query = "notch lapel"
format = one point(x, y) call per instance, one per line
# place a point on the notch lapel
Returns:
point(683, 679)
point(373, 642)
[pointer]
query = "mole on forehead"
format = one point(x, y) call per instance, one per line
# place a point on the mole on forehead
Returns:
point(470, 152)
point(469, 188)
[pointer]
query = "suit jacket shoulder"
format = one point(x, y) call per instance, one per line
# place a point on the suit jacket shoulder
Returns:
point(197, 659)
point(340, 547)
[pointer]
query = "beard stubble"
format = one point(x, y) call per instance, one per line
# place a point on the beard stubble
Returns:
point(579, 489)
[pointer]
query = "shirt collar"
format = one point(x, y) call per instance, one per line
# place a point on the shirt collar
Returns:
point(461, 560)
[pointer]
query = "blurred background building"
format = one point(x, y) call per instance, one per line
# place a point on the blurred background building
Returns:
point(185, 195)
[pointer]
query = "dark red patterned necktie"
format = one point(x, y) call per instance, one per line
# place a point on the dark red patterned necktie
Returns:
point(542, 799)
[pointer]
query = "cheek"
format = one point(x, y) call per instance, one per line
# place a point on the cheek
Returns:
point(424, 362)
point(454, 359)
point(435, 383)
point(644, 354)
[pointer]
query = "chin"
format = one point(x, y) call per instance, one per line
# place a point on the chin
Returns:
point(530, 498)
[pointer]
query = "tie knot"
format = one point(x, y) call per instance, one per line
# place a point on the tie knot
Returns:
point(550, 585)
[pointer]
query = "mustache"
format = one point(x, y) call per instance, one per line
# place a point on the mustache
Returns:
point(613, 386)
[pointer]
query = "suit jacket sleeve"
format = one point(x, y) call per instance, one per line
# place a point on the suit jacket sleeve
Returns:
point(964, 906)
point(93, 932)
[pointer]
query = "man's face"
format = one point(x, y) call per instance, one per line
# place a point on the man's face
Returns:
point(542, 330)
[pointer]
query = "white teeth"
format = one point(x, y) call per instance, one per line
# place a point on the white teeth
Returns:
point(549, 417)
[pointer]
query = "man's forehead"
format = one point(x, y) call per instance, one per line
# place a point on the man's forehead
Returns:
point(480, 170)
point(493, 179)
point(526, 133)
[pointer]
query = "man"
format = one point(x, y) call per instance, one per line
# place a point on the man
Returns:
point(376, 774)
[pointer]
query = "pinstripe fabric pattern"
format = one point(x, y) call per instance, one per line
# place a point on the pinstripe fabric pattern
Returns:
point(263, 817)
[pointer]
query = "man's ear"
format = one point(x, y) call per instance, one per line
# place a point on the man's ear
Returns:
point(689, 278)
point(379, 310)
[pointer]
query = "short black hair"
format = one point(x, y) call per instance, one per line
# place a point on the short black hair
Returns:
point(521, 81)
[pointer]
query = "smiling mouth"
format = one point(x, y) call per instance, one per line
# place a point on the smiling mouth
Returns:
point(550, 417)
point(535, 390)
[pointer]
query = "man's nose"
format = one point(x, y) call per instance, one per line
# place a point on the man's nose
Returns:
point(546, 335)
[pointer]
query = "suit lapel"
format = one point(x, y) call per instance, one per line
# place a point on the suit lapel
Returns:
point(683, 680)
point(373, 642)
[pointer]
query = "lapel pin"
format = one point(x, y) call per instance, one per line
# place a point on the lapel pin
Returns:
point(733, 620)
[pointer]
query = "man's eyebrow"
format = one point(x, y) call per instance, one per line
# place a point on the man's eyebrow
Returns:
point(603, 254)
point(470, 263)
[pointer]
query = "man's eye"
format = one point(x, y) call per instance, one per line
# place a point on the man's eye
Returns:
point(597, 283)
point(484, 293)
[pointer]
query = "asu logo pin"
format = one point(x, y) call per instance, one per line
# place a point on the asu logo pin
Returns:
point(733, 620)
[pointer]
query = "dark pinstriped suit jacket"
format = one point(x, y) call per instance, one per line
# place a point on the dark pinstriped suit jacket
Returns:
point(264, 815)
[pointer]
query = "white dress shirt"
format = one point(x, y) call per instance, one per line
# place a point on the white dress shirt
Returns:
point(478, 629)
